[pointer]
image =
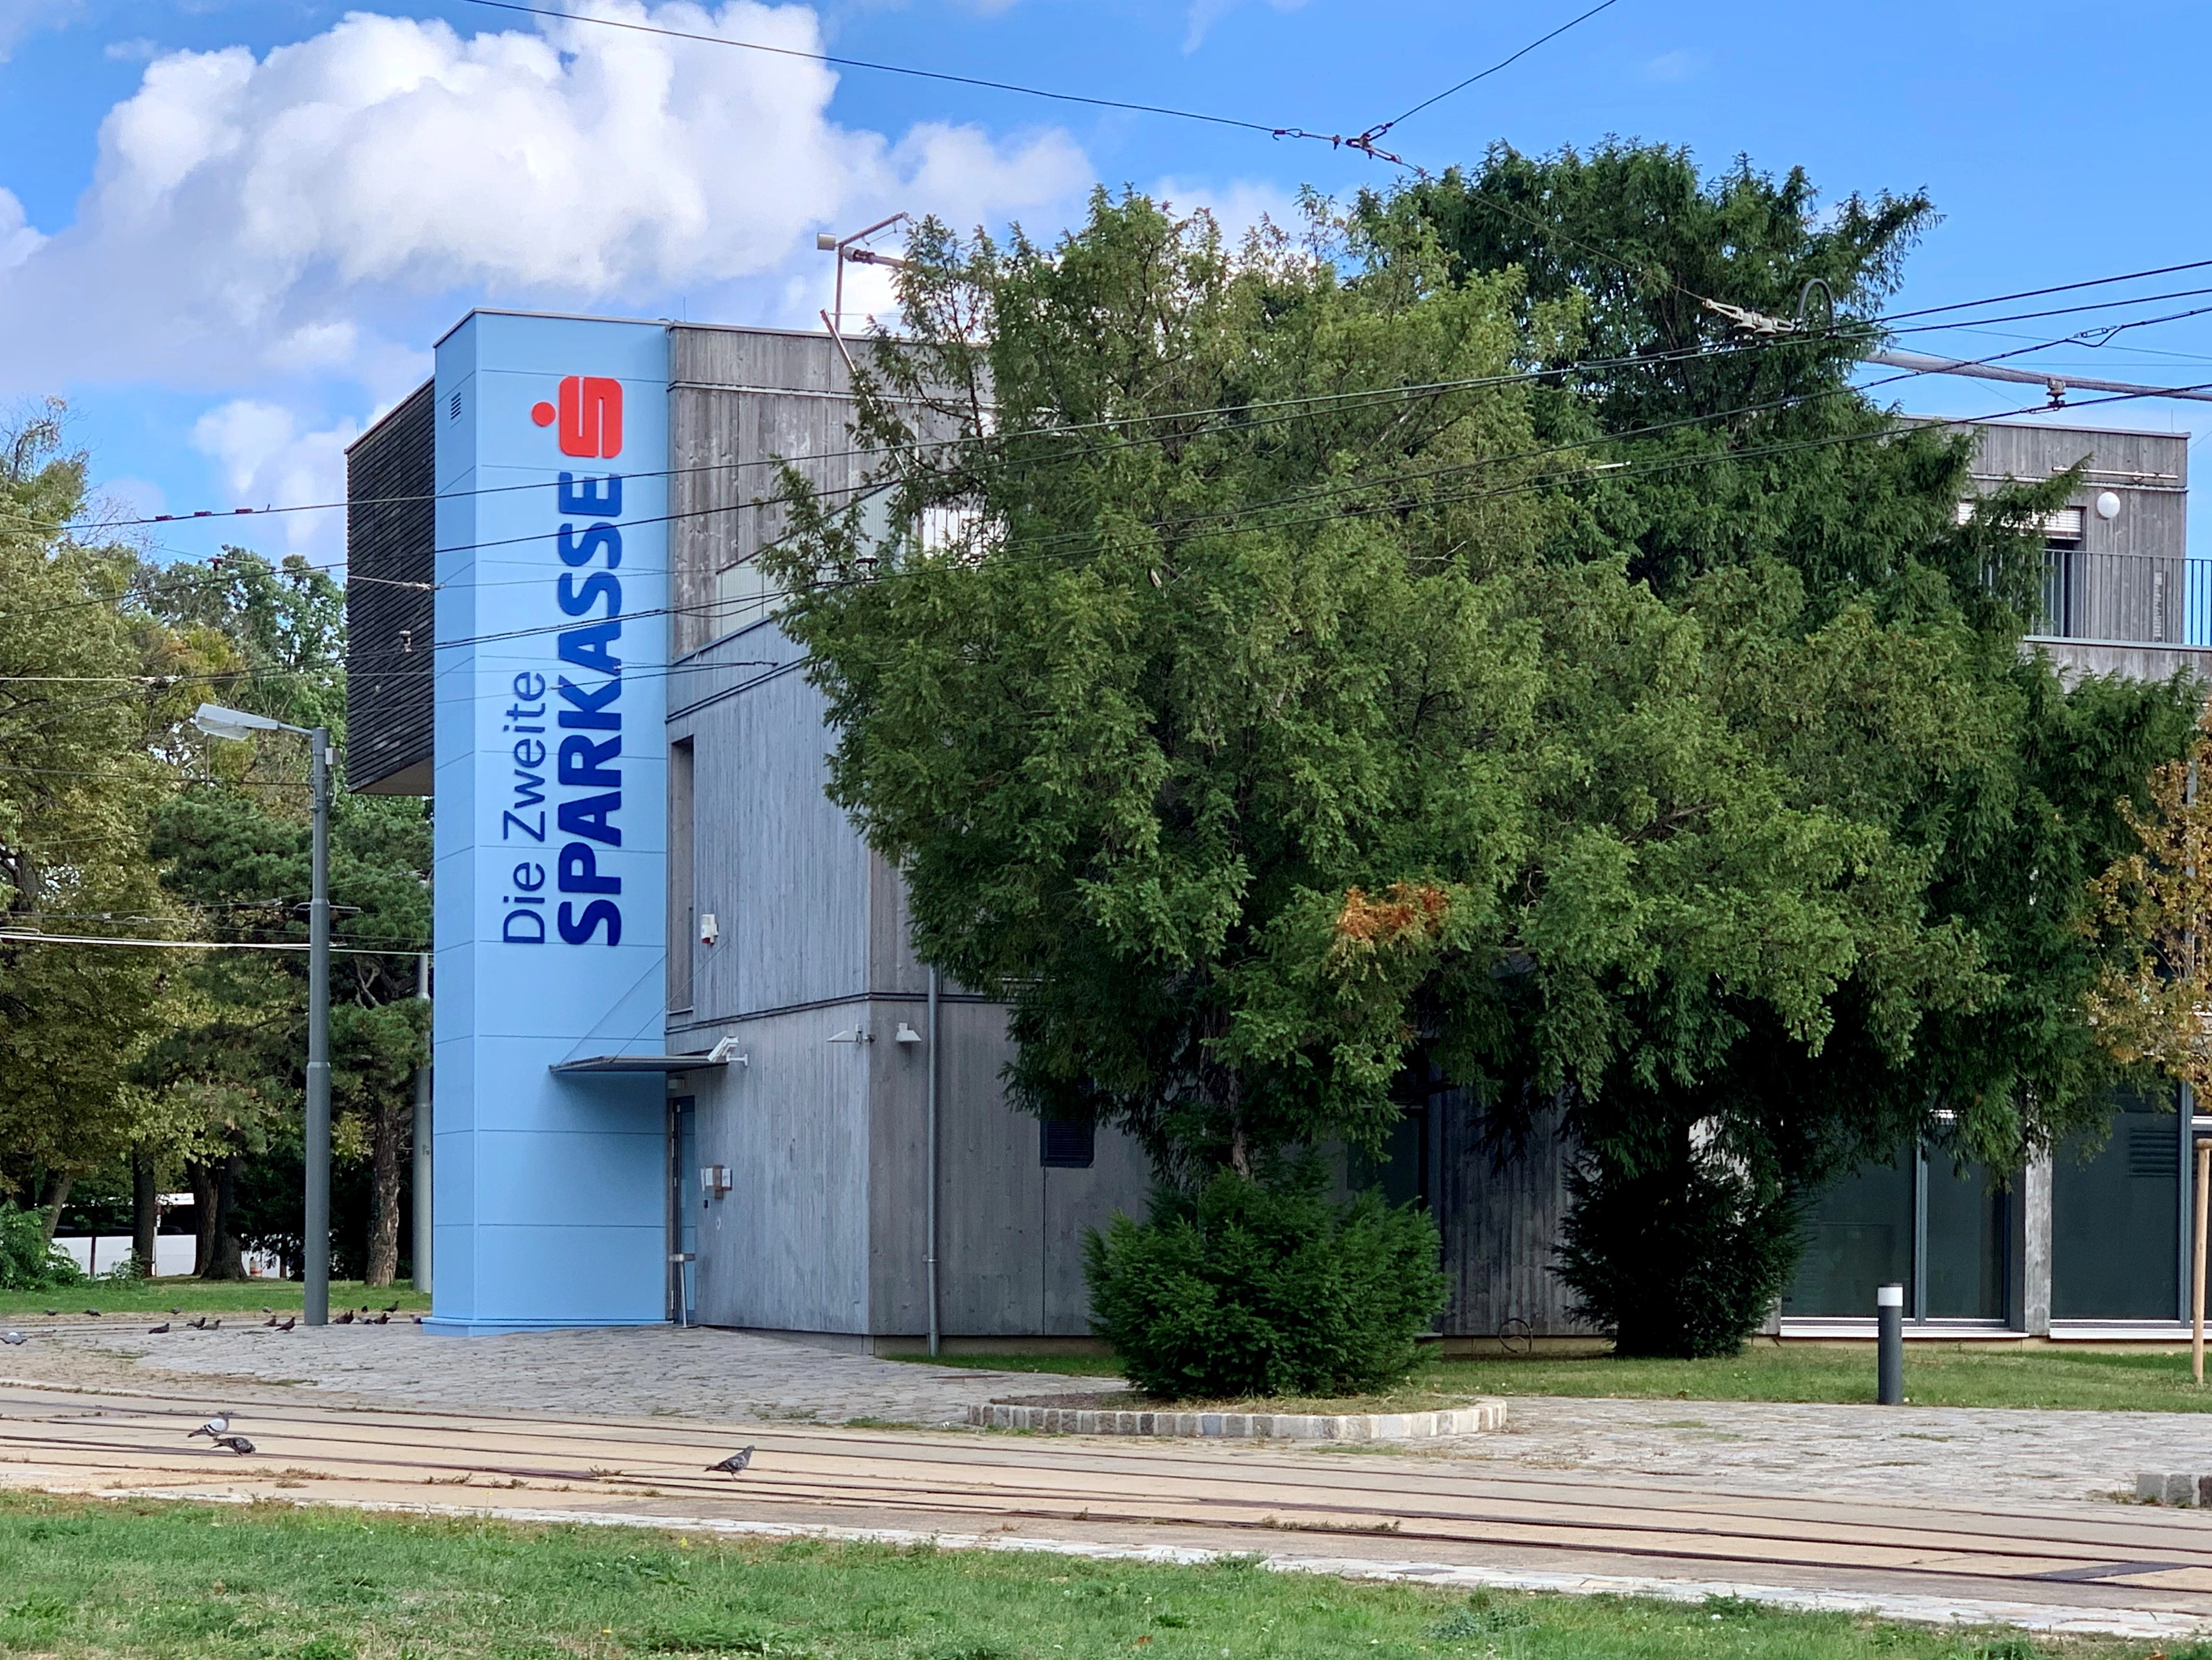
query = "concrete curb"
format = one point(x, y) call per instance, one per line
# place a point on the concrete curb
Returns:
point(2175, 1488)
point(1473, 1419)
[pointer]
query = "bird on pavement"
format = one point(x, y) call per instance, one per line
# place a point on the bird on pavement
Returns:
point(289, 1321)
point(216, 1324)
point(270, 1321)
point(214, 1429)
point(735, 1463)
point(237, 1443)
point(51, 1313)
point(95, 1313)
point(380, 1320)
point(265, 1309)
point(391, 1308)
point(155, 1331)
point(12, 1338)
point(344, 1318)
point(176, 1311)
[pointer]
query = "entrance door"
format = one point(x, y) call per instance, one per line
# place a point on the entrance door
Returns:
point(683, 1201)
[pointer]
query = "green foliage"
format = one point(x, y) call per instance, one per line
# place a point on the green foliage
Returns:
point(79, 710)
point(1255, 1289)
point(28, 1260)
point(1867, 647)
point(1683, 1258)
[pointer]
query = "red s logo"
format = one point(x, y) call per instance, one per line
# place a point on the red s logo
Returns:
point(591, 415)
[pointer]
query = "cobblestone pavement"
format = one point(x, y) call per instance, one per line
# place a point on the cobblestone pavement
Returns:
point(1902, 1454)
point(635, 1372)
point(1948, 1456)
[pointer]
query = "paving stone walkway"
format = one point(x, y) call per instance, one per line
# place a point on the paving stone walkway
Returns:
point(636, 1372)
point(1947, 1456)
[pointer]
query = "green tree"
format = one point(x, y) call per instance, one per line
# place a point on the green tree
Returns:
point(1242, 715)
point(1867, 644)
point(236, 850)
point(82, 701)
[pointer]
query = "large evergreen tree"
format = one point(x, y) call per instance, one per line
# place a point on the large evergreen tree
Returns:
point(1756, 489)
point(1247, 693)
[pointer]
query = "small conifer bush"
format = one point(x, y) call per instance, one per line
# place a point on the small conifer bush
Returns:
point(1266, 1289)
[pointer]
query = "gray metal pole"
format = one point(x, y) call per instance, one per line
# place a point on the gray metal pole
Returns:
point(930, 1260)
point(1889, 1366)
point(317, 1228)
point(423, 1235)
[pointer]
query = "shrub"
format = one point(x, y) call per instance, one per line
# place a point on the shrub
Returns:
point(28, 1260)
point(1682, 1260)
point(1265, 1289)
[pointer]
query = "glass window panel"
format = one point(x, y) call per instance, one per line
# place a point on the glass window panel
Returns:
point(1968, 1240)
point(1859, 1235)
point(2114, 1223)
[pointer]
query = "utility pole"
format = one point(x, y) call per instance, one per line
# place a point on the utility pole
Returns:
point(317, 1230)
point(217, 722)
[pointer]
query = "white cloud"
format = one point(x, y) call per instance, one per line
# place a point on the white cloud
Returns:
point(21, 17)
point(18, 241)
point(1673, 66)
point(266, 459)
point(290, 213)
point(1204, 14)
point(1237, 207)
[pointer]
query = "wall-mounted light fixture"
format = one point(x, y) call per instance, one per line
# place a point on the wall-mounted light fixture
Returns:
point(906, 1034)
point(852, 1035)
point(2108, 506)
point(713, 1180)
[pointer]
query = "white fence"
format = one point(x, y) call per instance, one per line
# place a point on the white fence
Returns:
point(172, 1254)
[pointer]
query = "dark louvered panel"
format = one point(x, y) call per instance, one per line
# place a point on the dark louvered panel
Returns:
point(391, 565)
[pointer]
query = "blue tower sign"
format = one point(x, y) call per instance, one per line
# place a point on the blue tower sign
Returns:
point(552, 791)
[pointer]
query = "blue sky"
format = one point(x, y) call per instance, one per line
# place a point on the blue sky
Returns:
point(231, 231)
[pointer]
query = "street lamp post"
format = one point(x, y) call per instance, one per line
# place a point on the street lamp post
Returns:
point(219, 723)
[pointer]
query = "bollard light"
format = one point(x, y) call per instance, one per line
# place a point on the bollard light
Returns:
point(1889, 1361)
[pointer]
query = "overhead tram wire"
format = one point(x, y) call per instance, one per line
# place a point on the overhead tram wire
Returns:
point(1266, 129)
point(1365, 141)
point(1035, 547)
point(1350, 400)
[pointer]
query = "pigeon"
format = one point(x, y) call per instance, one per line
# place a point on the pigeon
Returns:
point(391, 1308)
point(270, 1321)
point(266, 1310)
point(155, 1331)
point(12, 1338)
point(290, 1321)
point(345, 1319)
point(95, 1313)
point(418, 1319)
point(215, 1427)
point(215, 1324)
point(237, 1443)
point(51, 1313)
point(735, 1463)
point(380, 1320)
point(176, 1311)
point(199, 1324)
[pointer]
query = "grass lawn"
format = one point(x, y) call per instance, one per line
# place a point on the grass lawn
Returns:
point(1948, 1374)
point(158, 1296)
point(81, 1578)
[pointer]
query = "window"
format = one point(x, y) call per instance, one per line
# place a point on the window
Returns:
point(2114, 1249)
point(1067, 1146)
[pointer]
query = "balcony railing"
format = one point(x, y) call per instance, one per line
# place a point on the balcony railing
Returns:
point(2126, 596)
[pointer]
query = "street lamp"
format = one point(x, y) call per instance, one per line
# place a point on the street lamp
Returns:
point(219, 723)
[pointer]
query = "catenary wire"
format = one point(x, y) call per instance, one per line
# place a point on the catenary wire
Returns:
point(1350, 401)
